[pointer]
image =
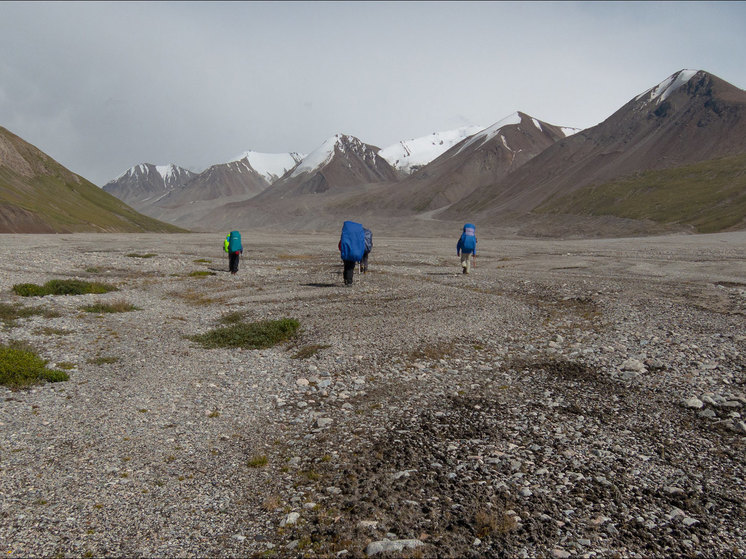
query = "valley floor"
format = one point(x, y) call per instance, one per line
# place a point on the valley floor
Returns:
point(565, 399)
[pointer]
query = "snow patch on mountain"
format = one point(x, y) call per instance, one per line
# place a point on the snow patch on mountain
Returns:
point(663, 90)
point(166, 171)
point(271, 166)
point(408, 155)
point(318, 157)
point(488, 133)
point(567, 131)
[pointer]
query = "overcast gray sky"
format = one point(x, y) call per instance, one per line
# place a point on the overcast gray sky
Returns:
point(101, 87)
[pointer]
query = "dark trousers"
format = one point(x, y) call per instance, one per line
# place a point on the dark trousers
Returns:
point(348, 271)
point(233, 258)
point(364, 262)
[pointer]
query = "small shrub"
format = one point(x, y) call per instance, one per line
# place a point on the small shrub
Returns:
point(200, 273)
point(256, 335)
point(116, 306)
point(62, 287)
point(309, 351)
point(202, 261)
point(136, 255)
point(257, 461)
point(20, 368)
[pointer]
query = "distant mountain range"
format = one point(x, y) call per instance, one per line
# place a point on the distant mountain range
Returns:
point(671, 159)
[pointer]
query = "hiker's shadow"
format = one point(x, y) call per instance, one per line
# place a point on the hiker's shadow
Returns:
point(218, 269)
point(316, 284)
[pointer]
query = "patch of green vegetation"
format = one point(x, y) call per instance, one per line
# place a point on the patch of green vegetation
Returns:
point(66, 365)
point(21, 367)
point(62, 287)
point(200, 273)
point(137, 255)
point(202, 261)
point(257, 461)
point(105, 360)
point(709, 196)
point(255, 335)
point(114, 307)
point(10, 313)
point(309, 351)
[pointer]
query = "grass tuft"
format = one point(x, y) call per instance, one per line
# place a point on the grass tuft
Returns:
point(20, 367)
point(114, 307)
point(62, 287)
point(256, 335)
point(10, 313)
point(200, 273)
point(105, 360)
point(257, 461)
point(309, 351)
point(136, 255)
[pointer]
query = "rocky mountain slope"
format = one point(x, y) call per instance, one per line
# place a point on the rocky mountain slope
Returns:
point(38, 195)
point(690, 117)
point(483, 158)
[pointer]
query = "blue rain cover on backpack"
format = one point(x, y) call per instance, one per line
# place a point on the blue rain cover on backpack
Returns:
point(352, 243)
point(368, 239)
point(234, 242)
point(469, 238)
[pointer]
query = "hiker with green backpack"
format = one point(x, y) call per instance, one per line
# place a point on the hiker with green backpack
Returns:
point(232, 245)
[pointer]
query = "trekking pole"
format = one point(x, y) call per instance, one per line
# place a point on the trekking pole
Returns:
point(474, 260)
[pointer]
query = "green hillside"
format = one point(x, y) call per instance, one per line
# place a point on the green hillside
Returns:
point(709, 196)
point(38, 194)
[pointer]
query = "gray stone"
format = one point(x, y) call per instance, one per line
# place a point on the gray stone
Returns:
point(290, 519)
point(693, 403)
point(633, 365)
point(388, 546)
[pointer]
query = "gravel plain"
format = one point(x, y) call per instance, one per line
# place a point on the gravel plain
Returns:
point(578, 398)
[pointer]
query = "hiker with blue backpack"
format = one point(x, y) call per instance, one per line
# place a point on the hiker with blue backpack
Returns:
point(232, 245)
point(351, 248)
point(467, 246)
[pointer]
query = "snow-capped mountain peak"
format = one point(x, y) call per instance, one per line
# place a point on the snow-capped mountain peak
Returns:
point(324, 153)
point(271, 166)
point(663, 90)
point(409, 155)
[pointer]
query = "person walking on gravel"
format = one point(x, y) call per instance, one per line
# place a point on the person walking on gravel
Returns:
point(232, 245)
point(467, 246)
point(351, 248)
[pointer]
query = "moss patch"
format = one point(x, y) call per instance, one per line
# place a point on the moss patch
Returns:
point(255, 335)
point(61, 287)
point(20, 367)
